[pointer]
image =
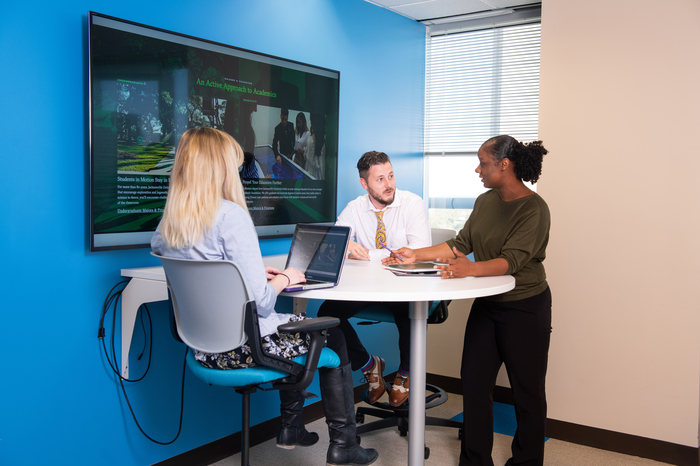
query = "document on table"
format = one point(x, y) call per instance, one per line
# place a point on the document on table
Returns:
point(416, 268)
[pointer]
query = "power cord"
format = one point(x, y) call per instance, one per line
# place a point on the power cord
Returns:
point(111, 301)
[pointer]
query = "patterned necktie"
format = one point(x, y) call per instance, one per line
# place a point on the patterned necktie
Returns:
point(381, 230)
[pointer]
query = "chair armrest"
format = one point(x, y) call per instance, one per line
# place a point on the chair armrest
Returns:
point(310, 325)
point(316, 329)
point(252, 330)
point(300, 376)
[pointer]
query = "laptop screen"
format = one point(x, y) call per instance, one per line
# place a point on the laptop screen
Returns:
point(319, 251)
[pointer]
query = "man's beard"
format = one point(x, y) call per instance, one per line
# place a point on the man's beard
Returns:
point(373, 195)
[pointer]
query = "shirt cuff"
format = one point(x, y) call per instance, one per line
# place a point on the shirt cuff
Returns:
point(378, 254)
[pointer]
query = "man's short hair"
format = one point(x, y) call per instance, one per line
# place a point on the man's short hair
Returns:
point(284, 112)
point(371, 158)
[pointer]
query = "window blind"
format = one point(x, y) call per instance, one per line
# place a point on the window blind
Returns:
point(481, 84)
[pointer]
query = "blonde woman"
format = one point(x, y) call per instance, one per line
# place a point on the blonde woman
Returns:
point(206, 217)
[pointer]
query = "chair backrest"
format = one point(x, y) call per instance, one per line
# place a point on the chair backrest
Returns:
point(209, 299)
point(440, 235)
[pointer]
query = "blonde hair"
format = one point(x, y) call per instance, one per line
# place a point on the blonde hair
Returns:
point(205, 171)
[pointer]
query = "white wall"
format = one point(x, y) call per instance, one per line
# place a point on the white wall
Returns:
point(620, 114)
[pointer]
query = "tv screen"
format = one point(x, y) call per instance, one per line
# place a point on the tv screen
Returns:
point(148, 86)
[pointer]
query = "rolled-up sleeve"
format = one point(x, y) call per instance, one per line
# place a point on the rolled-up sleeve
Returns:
point(525, 242)
point(347, 218)
point(462, 241)
point(417, 225)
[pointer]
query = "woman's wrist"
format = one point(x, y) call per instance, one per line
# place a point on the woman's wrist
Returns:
point(289, 281)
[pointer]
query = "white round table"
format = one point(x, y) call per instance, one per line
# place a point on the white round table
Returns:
point(369, 281)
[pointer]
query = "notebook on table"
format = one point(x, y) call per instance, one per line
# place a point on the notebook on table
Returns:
point(318, 251)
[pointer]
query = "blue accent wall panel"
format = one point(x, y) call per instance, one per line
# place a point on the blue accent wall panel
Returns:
point(59, 402)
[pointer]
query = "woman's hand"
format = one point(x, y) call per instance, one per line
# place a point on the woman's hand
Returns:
point(270, 272)
point(285, 278)
point(294, 276)
point(400, 256)
point(455, 268)
point(355, 251)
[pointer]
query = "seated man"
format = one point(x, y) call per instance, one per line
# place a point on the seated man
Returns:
point(383, 218)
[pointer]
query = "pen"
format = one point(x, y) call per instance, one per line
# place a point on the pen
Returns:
point(392, 252)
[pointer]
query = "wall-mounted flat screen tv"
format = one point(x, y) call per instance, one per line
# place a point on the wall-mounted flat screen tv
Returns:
point(148, 86)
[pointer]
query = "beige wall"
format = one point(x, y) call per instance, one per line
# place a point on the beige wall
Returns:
point(620, 114)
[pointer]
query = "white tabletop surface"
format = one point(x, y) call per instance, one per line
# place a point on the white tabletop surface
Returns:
point(149, 273)
point(369, 281)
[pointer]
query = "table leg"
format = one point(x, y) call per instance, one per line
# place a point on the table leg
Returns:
point(299, 305)
point(136, 293)
point(418, 313)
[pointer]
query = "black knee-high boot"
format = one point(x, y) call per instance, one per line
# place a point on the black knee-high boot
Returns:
point(339, 407)
point(292, 431)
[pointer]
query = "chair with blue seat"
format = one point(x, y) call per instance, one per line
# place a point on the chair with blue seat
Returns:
point(214, 312)
point(390, 416)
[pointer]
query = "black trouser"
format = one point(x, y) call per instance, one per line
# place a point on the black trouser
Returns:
point(517, 334)
point(357, 353)
point(336, 341)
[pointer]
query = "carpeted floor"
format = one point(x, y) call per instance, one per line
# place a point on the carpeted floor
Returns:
point(443, 444)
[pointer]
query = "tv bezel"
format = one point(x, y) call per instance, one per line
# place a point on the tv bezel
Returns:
point(263, 231)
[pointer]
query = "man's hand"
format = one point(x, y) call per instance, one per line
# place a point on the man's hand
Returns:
point(407, 255)
point(355, 251)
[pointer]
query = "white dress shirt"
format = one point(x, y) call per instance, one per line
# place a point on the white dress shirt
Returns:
point(301, 142)
point(405, 220)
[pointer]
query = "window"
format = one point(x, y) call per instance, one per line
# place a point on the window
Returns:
point(479, 84)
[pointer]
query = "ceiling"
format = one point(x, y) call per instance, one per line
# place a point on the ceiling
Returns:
point(427, 11)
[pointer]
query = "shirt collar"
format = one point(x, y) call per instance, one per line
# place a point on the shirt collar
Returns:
point(397, 203)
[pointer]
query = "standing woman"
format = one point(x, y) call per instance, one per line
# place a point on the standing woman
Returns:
point(206, 217)
point(508, 232)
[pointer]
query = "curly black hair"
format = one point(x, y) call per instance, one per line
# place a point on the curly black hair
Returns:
point(526, 158)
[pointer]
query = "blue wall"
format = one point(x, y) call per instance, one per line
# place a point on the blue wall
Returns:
point(59, 403)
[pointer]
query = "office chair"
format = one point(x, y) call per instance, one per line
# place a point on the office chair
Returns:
point(214, 311)
point(390, 416)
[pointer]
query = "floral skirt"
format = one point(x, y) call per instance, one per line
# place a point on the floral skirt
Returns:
point(285, 344)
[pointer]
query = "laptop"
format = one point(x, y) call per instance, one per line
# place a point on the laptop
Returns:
point(318, 251)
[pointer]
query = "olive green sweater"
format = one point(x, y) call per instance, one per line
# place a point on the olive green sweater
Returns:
point(517, 231)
